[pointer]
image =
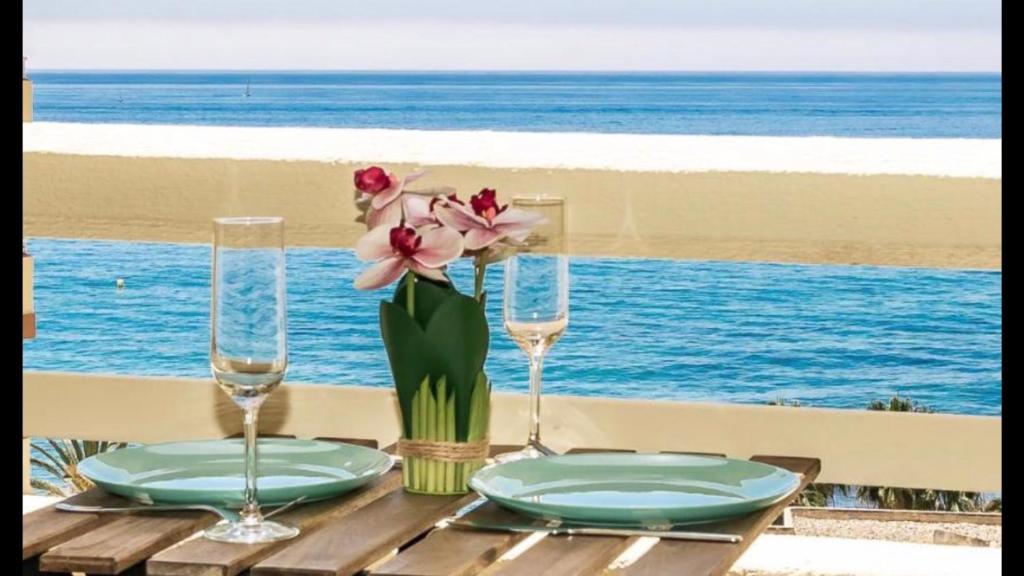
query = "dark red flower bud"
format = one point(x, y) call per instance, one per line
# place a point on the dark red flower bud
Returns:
point(372, 180)
point(485, 204)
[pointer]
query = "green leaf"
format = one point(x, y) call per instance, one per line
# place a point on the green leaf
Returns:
point(410, 356)
point(458, 338)
point(430, 294)
point(448, 338)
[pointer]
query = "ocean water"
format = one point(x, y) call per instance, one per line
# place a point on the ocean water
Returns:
point(832, 336)
point(767, 104)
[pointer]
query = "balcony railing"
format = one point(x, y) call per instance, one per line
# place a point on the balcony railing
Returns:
point(855, 446)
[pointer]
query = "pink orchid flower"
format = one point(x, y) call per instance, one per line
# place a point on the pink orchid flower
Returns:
point(485, 222)
point(419, 210)
point(383, 190)
point(396, 249)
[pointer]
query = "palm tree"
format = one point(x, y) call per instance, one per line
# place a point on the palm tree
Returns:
point(821, 495)
point(911, 498)
point(61, 461)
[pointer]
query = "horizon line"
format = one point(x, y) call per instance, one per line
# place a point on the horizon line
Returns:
point(514, 71)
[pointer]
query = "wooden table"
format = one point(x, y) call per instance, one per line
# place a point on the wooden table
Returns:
point(361, 532)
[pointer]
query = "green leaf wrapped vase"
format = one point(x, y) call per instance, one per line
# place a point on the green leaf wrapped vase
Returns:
point(437, 348)
point(436, 337)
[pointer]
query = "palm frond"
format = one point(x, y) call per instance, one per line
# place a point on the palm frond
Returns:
point(89, 447)
point(77, 447)
point(48, 487)
point(56, 472)
point(64, 452)
point(62, 460)
point(53, 459)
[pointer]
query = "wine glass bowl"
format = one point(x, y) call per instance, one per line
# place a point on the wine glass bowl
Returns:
point(536, 305)
point(249, 346)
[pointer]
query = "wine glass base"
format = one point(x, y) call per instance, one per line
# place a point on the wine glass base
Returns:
point(242, 533)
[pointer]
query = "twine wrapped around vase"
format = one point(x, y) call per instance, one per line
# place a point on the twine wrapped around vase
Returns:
point(440, 467)
point(444, 451)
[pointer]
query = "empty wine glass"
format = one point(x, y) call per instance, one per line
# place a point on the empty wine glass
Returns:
point(248, 346)
point(536, 307)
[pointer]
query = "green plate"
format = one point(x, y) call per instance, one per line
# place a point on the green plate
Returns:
point(647, 490)
point(212, 472)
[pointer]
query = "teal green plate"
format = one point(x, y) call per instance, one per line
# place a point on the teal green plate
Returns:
point(647, 490)
point(212, 471)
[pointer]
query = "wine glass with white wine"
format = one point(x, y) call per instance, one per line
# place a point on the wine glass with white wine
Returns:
point(536, 304)
point(248, 346)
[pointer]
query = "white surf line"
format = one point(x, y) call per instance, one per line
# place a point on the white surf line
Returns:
point(621, 152)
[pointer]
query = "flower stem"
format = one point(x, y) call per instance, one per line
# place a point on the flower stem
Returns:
point(480, 270)
point(410, 293)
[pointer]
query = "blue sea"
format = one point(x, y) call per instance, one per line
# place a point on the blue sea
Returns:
point(833, 336)
point(766, 104)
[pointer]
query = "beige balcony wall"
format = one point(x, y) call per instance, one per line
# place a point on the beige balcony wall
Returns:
point(855, 446)
point(26, 100)
point(900, 220)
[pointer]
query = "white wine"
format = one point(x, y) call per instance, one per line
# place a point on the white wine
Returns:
point(533, 335)
point(244, 379)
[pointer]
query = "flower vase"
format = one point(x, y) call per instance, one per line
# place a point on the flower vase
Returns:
point(434, 461)
point(436, 337)
point(437, 341)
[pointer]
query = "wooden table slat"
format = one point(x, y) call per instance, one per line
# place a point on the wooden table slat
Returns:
point(565, 556)
point(569, 554)
point(47, 527)
point(349, 544)
point(690, 453)
point(124, 542)
point(715, 558)
point(30, 567)
point(365, 442)
point(457, 551)
point(464, 551)
point(28, 326)
point(202, 556)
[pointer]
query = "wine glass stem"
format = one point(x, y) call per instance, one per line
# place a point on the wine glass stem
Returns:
point(251, 510)
point(536, 367)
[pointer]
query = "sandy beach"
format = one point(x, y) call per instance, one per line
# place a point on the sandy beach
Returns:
point(902, 202)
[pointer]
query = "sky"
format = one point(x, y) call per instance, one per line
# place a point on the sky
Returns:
point(700, 35)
